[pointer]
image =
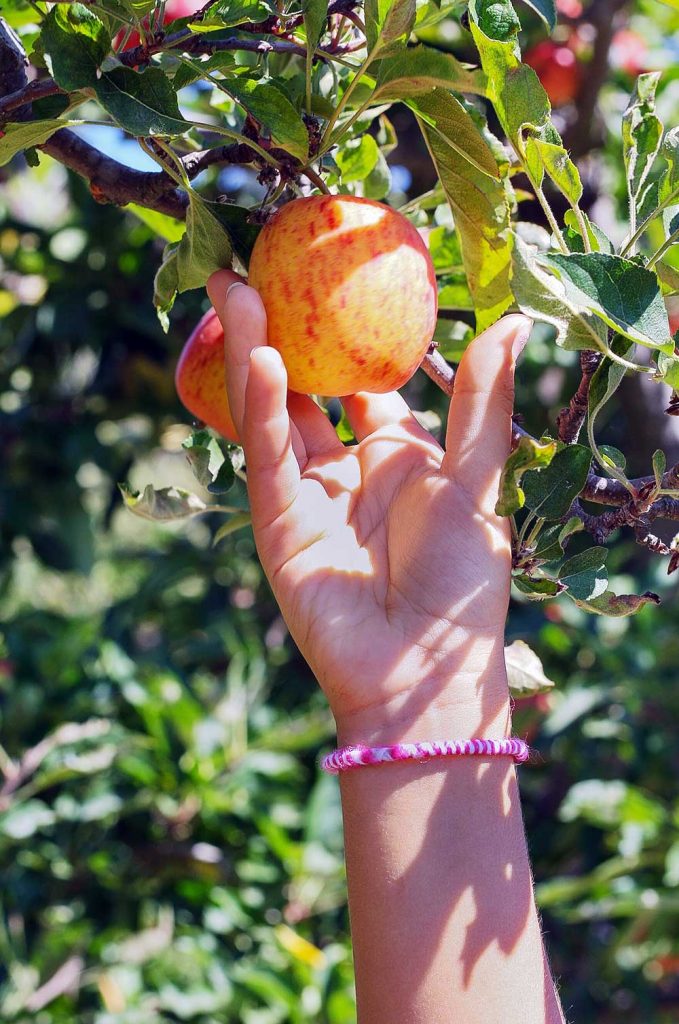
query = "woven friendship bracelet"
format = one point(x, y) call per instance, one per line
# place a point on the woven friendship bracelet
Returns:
point(354, 757)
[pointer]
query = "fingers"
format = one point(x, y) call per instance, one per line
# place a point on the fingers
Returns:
point(367, 413)
point(479, 424)
point(316, 430)
point(272, 466)
point(243, 319)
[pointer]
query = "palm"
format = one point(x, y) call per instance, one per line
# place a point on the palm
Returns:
point(389, 564)
point(383, 556)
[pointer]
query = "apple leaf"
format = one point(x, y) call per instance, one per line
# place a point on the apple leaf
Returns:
point(584, 575)
point(528, 454)
point(228, 13)
point(552, 539)
point(497, 19)
point(558, 166)
point(546, 9)
point(481, 207)
point(668, 189)
point(659, 466)
point(419, 69)
point(141, 102)
point(357, 158)
point(162, 505)
point(525, 671)
point(543, 297)
point(165, 227)
point(75, 42)
point(444, 113)
point(208, 463)
point(236, 522)
point(605, 381)
point(15, 138)
point(388, 23)
point(551, 491)
point(623, 294)
point(269, 105)
point(641, 135)
point(617, 605)
point(668, 369)
point(536, 588)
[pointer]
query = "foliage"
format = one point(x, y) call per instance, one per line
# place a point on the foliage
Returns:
point(170, 850)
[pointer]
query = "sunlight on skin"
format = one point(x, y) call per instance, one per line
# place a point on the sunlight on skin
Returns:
point(392, 573)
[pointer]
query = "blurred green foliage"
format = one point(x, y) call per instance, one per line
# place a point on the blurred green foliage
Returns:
point(169, 850)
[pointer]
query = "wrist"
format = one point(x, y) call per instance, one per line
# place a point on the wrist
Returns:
point(461, 709)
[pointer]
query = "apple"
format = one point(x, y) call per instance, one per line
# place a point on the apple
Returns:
point(629, 52)
point(173, 9)
point(558, 69)
point(350, 294)
point(199, 377)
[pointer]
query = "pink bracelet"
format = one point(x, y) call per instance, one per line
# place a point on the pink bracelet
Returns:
point(354, 757)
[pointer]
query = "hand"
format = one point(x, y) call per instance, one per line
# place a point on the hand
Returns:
point(388, 562)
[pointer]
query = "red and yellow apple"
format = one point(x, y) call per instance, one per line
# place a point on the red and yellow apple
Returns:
point(558, 69)
point(350, 294)
point(200, 377)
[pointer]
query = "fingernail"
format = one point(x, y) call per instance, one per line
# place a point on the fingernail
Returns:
point(236, 284)
point(520, 338)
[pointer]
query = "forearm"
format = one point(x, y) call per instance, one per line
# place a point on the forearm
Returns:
point(443, 919)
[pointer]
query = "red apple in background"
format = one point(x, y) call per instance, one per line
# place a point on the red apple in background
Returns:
point(629, 52)
point(173, 9)
point(569, 8)
point(200, 377)
point(558, 69)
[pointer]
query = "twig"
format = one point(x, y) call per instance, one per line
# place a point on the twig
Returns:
point(36, 90)
point(438, 370)
point(569, 421)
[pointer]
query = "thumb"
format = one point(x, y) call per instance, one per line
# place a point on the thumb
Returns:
point(478, 438)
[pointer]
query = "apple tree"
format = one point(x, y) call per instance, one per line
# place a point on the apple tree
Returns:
point(305, 95)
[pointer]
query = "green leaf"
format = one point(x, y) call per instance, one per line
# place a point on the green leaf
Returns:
point(669, 183)
point(612, 457)
point(597, 239)
point(75, 42)
point(584, 575)
point(419, 69)
point(618, 605)
point(536, 588)
point(207, 462)
point(551, 491)
point(668, 369)
point(228, 13)
point(165, 227)
point(204, 248)
point(641, 135)
point(606, 380)
point(377, 185)
point(623, 294)
point(14, 138)
point(236, 522)
point(357, 158)
point(497, 19)
point(558, 166)
point(274, 111)
point(543, 297)
point(525, 671)
point(446, 115)
point(528, 454)
point(481, 207)
point(315, 18)
point(236, 222)
point(659, 466)
point(141, 102)
point(388, 22)
point(166, 285)
point(162, 505)
point(547, 11)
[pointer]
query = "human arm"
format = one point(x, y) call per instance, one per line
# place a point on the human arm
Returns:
point(392, 572)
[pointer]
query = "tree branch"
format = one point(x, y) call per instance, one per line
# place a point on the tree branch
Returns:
point(113, 182)
point(569, 421)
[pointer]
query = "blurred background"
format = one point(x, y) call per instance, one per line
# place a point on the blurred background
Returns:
point(169, 849)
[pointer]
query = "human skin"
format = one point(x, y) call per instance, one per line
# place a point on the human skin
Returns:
point(392, 573)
